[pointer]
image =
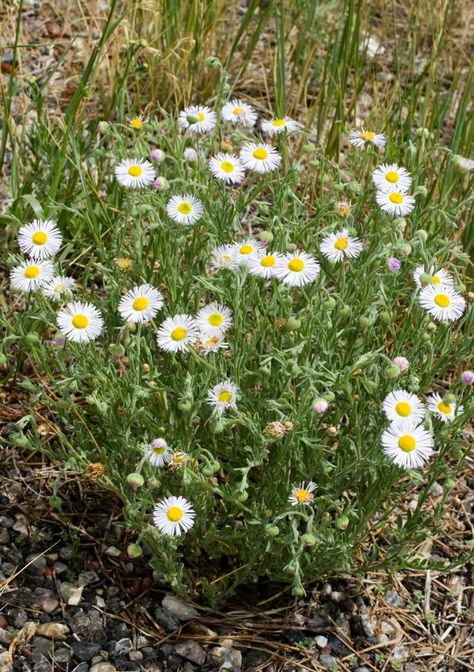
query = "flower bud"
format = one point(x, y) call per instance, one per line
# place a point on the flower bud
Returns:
point(32, 337)
point(272, 530)
point(421, 191)
point(329, 303)
point(402, 363)
point(134, 551)
point(135, 480)
point(342, 522)
point(392, 372)
point(431, 326)
point(405, 249)
point(343, 209)
point(226, 146)
point(400, 223)
point(385, 317)
point(309, 148)
point(294, 323)
point(462, 163)
point(467, 377)
point(423, 133)
point(320, 406)
point(160, 184)
point(332, 431)
point(266, 236)
point(116, 350)
point(104, 127)
point(185, 405)
point(308, 539)
point(158, 155)
point(190, 155)
point(449, 398)
point(421, 235)
point(345, 311)
point(212, 62)
point(365, 321)
point(297, 591)
point(450, 483)
point(291, 247)
point(394, 264)
point(329, 396)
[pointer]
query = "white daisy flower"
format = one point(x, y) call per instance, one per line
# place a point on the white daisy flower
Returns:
point(174, 516)
point(265, 265)
point(400, 404)
point(302, 493)
point(280, 125)
point(407, 444)
point(239, 113)
point(207, 343)
point(158, 453)
point(80, 322)
point(135, 173)
point(223, 396)
point(140, 304)
point(31, 275)
point(184, 209)
point(246, 250)
point(297, 269)
point(261, 158)
point(214, 319)
point(197, 119)
point(440, 277)
point(442, 302)
point(390, 176)
point(177, 333)
point(223, 257)
point(227, 167)
point(338, 246)
point(395, 202)
point(442, 410)
point(362, 137)
point(40, 239)
point(58, 286)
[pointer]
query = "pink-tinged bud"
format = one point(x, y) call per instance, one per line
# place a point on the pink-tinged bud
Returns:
point(135, 480)
point(402, 363)
point(320, 406)
point(394, 264)
point(190, 154)
point(157, 155)
point(160, 184)
point(467, 377)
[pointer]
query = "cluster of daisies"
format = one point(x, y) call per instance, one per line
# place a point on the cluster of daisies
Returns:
point(406, 441)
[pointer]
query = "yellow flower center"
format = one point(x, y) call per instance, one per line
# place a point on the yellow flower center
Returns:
point(178, 333)
point(159, 450)
point(225, 396)
point(302, 496)
point(227, 167)
point(226, 259)
point(407, 443)
point(175, 513)
point(201, 116)
point(58, 288)
point(246, 249)
point(136, 123)
point(32, 272)
point(40, 237)
point(216, 319)
point(278, 122)
point(436, 280)
point(442, 300)
point(403, 408)
point(80, 321)
point(268, 261)
point(392, 176)
point(260, 153)
point(141, 303)
point(367, 135)
point(135, 171)
point(184, 208)
point(443, 407)
point(238, 110)
point(395, 198)
point(210, 342)
point(341, 243)
point(296, 265)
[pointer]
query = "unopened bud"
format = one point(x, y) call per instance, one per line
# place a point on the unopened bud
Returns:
point(392, 372)
point(135, 480)
point(308, 539)
point(272, 530)
point(134, 551)
point(320, 406)
point(342, 522)
point(158, 155)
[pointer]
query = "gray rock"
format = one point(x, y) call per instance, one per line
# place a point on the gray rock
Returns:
point(228, 658)
point(6, 637)
point(20, 528)
point(46, 600)
point(82, 667)
point(65, 553)
point(321, 641)
point(89, 626)
point(191, 651)
point(59, 568)
point(103, 667)
point(394, 599)
point(113, 552)
point(166, 619)
point(8, 568)
point(70, 593)
point(329, 662)
point(41, 647)
point(400, 653)
point(6, 521)
point(183, 611)
point(362, 669)
point(85, 650)
point(136, 656)
point(17, 617)
point(4, 537)
point(35, 563)
point(86, 578)
point(123, 646)
point(62, 655)
point(42, 664)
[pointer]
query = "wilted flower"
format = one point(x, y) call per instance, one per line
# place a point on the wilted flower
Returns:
point(276, 429)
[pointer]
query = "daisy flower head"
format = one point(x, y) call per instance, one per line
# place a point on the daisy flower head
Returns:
point(265, 265)
point(407, 443)
point(239, 113)
point(227, 167)
point(80, 322)
point(177, 333)
point(184, 209)
point(58, 286)
point(207, 343)
point(403, 405)
point(261, 158)
point(440, 277)
point(297, 269)
point(280, 125)
point(246, 250)
point(442, 410)
point(442, 302)
point(338, 246)
point(361, 138)
point(223, 257)
point(136, 123)
point(197, 119)
point(135, 173)
point(140, 304)
point(223, 396)
point(40, 239)
point(396, 203)
point(214, 319)
point(31, 275)
point(174, 516)
point(389, 176)
point(302, 493)
point(158, 453)
point(178, 460)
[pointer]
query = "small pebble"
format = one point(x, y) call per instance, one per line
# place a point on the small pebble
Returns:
point(329, 662)
point(123, 646)
point(46, 599)
point(178, 608)
point(321, 641)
